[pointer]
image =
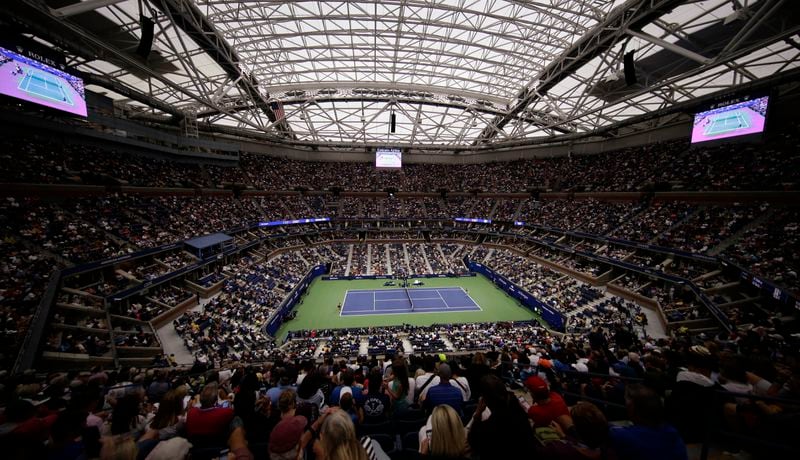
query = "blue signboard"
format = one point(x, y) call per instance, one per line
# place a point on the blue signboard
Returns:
point(276, 223)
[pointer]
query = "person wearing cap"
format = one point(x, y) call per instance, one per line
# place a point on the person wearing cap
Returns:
point(693, 390)
point(547, 405)
point(443, 392)
point(346, 387)
point(285, 437)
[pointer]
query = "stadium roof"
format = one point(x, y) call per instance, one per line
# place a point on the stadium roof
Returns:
point(461, 74)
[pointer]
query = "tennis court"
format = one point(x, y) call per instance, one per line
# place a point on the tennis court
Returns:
point(727, 122)
point(361, 302)
point(44, 85)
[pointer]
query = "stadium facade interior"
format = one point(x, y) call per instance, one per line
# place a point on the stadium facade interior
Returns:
point(595, 197)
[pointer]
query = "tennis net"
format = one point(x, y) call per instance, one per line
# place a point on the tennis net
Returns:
point(410, 302)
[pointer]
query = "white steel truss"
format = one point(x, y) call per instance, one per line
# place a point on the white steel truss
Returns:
point(457, 74)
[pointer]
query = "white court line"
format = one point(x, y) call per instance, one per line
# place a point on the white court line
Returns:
point(401, 290)
point(344, 301)
point(29, 78)
point(474, 307)
point(471, 299)
point(446, 306)
point(415, 312)
point(420, 298)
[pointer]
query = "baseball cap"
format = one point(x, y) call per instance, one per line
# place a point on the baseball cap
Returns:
point(286, 434)
point(536, 384)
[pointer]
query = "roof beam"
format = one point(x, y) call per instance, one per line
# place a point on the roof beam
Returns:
point(123, 90)
point(188, 18)
point(83, 7)
point(679, 50)
point(633, 14)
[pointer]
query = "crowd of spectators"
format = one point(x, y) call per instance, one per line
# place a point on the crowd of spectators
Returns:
point(397, 258)
point(230, 325)
point(417, 261)
point(772, 248)
point(652, 221)
point(712, 378)
point(727, 167)
point(25, 275)
point(709, 227)
point(589, 215)
point(561, 292)
point(358, 261)
point(552, 395)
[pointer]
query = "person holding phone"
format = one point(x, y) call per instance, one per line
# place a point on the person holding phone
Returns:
point(444, 437)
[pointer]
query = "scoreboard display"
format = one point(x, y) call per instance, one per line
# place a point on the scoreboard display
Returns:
point(388, 158)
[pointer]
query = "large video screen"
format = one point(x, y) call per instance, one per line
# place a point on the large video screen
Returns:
point(734, 120)
point(388, 158)
point(33, 81)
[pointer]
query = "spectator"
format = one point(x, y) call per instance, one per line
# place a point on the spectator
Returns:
point(423, 381)
point(207, 425)
point(547, 406)
point(283, 383)
point(158, 388)
point(445, 437)
point(376, 403)
point(503, 431)
point(649, 436)
point(443, 392)
point(284, 440)
point(337, 439)
point(310, 398)
point(459, 381)
point(127, 417)
point(399, 387)
point(346, 402)
point(585, 439)
point(693, 390)
point(346, 387)
point(170, 418)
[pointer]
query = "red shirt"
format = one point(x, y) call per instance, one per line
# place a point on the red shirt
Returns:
point(212, 422)
point(543, 414)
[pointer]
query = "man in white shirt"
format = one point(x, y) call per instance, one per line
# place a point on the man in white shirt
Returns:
point(456, 380)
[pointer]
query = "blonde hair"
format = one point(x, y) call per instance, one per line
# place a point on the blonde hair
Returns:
point(448, 436)
point(118, 448)
point(338, 438)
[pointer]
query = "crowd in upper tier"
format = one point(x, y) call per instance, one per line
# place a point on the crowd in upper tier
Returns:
point(773, 166)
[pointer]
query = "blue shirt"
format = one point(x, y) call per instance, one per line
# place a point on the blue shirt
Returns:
point(275, 392)
point(642, 442)
point(444, 393)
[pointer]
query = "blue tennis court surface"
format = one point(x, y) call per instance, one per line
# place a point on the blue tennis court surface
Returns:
point(727, 122)
point(413, 300)
point(43, 85)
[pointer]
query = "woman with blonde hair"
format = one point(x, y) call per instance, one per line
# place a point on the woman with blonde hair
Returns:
point(446, 438)
point(338, 441)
